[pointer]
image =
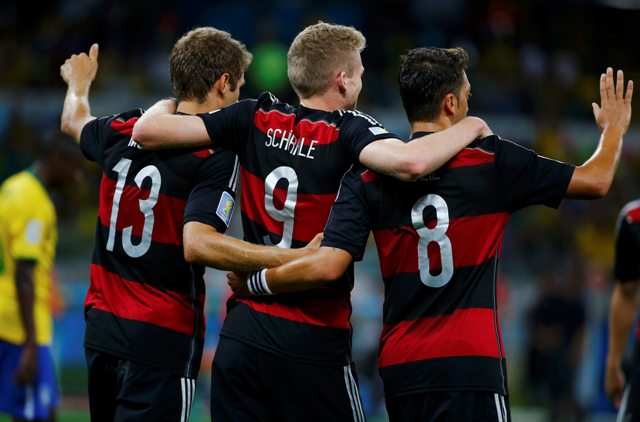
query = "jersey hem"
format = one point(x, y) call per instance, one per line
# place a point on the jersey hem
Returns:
point(120, 354)
point(289, 356)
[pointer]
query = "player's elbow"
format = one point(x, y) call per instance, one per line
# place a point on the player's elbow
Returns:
point(410, 169)
point(329, 272)
point(589, 184)
point(192, 244)
point(69, 127)
point(143, 133)
point(191, 254)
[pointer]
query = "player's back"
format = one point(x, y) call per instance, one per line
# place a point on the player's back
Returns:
point(143, 294)
point(439, 242)
point(292, 161)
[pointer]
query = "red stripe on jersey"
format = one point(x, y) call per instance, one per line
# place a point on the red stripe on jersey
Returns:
point(638, 333)
point(470, 157)
point(126, 128)
point(168, 212)
point(368, 176)
point(204, 153)
point(141, 302)
point(279, 126)
point(473, 241)
point(310, 214)
point(325, 313)
point(466, 332)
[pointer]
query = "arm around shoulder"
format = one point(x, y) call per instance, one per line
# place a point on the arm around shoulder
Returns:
point(159, 128)
point(410, 161)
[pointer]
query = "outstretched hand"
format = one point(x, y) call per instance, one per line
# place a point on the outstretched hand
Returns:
point(79, 70)
point(615, 103)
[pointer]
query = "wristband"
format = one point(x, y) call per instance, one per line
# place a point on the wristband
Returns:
point(257, 283)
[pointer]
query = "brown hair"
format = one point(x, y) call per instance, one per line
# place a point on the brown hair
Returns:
point(200, 57)
point(318, 52)
point(427, 75)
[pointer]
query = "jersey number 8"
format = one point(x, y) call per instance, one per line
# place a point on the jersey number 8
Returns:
point(437, 234)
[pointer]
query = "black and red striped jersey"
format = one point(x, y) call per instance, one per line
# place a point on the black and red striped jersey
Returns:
point(627, 250)
point(145, 302)
point(439, 241)
point(292, 160)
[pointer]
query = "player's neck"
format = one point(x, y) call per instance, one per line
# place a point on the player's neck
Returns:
point(430, 126)
point(194, 107)
point(326, 102)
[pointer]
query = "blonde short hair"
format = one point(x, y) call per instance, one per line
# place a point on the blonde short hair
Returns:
point(318, 52)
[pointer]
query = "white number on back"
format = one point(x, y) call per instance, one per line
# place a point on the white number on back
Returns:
point(437, 234)
point(284, 215)
point(146, 208)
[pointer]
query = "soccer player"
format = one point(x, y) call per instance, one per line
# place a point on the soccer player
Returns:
point(288, 358)
point(441, 354)
point(144, 308)
point(28, 237)
point(622, 314)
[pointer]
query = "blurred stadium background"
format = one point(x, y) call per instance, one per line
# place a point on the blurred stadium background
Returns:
point(534, 73)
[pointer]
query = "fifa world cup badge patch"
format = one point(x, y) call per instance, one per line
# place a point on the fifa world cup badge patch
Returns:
point(225, 208)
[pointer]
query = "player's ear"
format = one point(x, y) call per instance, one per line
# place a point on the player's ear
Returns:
point(450, 103)
point(222, 84)
point(341, 82)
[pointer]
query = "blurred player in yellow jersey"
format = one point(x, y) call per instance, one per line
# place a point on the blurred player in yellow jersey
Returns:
point(28, 236)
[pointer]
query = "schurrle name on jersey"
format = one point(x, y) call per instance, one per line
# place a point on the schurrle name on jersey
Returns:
point(286, 140)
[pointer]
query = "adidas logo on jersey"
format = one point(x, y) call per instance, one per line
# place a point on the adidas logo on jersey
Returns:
point(134, 144)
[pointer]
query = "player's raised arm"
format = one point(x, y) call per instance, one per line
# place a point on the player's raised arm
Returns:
point(78, 72)
point(159, 127)
point(593, 178)
point(410, 161)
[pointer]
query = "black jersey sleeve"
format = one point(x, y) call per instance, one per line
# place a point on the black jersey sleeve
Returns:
point(627, 248)
point(526, 178)
point(212, 199)
point(93, 138)
point(359, 129)
point(230, 126)
point(348, 224)
point(98, 134)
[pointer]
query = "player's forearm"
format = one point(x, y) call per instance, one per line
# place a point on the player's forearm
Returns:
point(622, 315)
point(76, 112)
point(309, 272)
point(26, 296)
point(410, 161)
point(205, 246)
point(159, 128)
point(593, 178)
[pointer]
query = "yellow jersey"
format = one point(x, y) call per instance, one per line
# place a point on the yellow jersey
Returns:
point(28, 231)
